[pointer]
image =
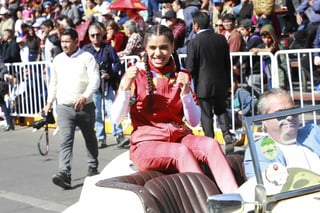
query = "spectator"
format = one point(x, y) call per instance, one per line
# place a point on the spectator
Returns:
point(18, 24)
point(33, 42)
point(232, 35)
point(287, 144)
point(100, 7)
point(135, 39)
point(10, 49)
point(27, 13)
point(270, 44)
point(191, 8)
point(77, 4)
point(178, 6)
point(75, 103)
point(135, 16)
point(177, 26)
point(89, 10)
point(51, 38)
point(165, 7)
point(244, 102)
point(39, 17)
point(246, 10)
point(219, 28)
point(110, 65)
point(57, 11)
point(24, 49)
point(249, 36)
point(13, 6)
point(209, 64)
point(219, 9)
point(159, 98)
point(153, 8)
point(251, 40)
point(71, 11)
point(5, 77)
point(115, 37)
point(48, 10)
point(7, 22)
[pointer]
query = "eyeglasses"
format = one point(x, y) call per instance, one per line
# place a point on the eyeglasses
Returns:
point(219, 25)
point(95, 35)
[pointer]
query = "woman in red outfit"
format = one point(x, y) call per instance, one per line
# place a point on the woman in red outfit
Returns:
point(115, 37)
point(160, 99)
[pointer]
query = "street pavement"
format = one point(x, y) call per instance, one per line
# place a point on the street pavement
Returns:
point(25, 175)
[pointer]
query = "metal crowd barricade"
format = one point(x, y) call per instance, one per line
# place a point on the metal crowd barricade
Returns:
point(241, 58)
point(249, 58)
point(29, 87)
point(300, 85)
point(300, 71)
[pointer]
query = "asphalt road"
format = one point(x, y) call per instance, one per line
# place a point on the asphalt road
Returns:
point(25, 175)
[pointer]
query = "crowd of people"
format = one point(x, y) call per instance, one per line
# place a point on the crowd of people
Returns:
point(160, 93)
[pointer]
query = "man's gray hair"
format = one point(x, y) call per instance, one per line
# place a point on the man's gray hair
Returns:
point(262, 105)
point(132, 26)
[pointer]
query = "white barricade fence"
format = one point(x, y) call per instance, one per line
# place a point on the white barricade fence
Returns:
point(30, 84)
point(29, 87)
point(264, 75)
point(300, 71)
point(255, 75)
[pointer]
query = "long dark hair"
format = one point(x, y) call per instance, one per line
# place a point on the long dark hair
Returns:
point(167, 32)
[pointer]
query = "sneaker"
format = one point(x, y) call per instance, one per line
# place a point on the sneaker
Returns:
point(92, 171)
point(230, 141)
point(62, 179)
point(122, 141)
point(102, 144)
point(229, 138)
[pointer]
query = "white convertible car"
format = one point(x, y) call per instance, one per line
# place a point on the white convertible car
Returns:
point(121, 188)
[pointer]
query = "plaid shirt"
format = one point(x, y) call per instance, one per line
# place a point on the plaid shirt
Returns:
point(134, 46)
point(179, 33)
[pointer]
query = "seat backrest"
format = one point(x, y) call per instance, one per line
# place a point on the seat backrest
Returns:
point(182, 192)
point(135, 183)
point(139, 178)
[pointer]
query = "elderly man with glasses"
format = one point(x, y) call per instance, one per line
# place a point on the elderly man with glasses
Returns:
point(285, 145)
point(109, 65)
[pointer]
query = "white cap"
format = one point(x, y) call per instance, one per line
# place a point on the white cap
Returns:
point(4, 10)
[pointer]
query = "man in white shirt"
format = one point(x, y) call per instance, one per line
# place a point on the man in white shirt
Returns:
point(74, 79)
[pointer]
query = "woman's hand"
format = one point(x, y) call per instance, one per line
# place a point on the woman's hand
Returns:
point(129, 77)
point(183, 81)
point(254, 50)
